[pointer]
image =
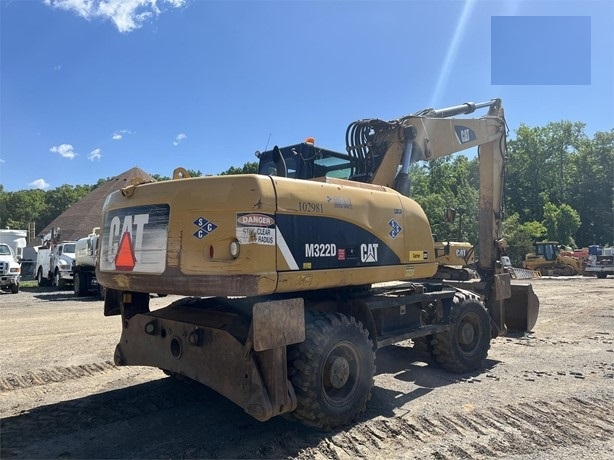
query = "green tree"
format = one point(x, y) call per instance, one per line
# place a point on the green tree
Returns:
point(592, 191)
point(520, 237)
point(59, 199)
point(448, 182)
point(561, 223)
point(19, 208)
point(540, 167)
point(247, 168)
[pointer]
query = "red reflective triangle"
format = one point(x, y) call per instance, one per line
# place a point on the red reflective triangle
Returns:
point(125, 259)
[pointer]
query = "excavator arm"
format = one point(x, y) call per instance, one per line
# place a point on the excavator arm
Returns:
point(384, 152)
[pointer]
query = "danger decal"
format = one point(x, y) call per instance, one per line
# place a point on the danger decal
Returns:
point(255, 228)
point(134, 239)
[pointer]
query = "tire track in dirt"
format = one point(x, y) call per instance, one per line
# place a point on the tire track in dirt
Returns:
point(489, 432)
point(57, 374)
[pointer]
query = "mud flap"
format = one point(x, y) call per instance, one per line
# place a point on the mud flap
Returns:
point(522, 308)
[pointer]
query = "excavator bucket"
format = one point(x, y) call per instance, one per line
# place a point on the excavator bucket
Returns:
point(522, 308)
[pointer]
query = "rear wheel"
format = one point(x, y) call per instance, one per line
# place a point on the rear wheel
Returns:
point(57, 280)
point(465, 346)
point(568, 270)
point(602, 275)
point(80, 286)
point(42, 281)
point(331, 371)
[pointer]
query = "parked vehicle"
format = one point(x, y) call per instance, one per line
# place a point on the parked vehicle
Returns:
point(284, 269)
point(54, 262)
point(10, 271)
point(600, 261)
point(84, 266)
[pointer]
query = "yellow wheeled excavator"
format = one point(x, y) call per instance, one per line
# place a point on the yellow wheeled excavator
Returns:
point(295, 276)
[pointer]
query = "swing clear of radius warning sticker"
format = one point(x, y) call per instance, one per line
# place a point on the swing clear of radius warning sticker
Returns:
point(255, 228)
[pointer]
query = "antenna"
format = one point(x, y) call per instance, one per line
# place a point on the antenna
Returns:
point(267, 142)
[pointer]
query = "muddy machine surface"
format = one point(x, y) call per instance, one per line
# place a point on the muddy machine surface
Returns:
point(294, 277)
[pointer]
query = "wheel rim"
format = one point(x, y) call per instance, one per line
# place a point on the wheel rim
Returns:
point(56, 279)
point(469, 333)
point(341, 374)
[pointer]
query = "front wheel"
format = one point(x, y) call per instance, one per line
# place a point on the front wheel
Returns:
point(14, 288)
point(465, 346)
point(331, 371)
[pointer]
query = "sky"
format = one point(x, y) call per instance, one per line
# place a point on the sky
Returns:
point(91, 88)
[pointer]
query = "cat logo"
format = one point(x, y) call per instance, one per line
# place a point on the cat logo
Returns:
point(368, 252)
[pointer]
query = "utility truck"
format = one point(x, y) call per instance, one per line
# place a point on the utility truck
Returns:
point(10, 270)
point(294, 277)
point(54, 261)
point(15, 239)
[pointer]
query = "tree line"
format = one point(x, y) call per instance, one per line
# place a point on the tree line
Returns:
point(558, 186)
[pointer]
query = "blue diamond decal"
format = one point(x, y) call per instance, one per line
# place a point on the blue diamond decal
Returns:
point(396, 228)
point(204, 227)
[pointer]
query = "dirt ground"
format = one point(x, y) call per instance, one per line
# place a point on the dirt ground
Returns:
point(548, 394)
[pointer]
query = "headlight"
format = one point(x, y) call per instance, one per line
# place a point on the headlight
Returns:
point(15, 270)
point(235, 249)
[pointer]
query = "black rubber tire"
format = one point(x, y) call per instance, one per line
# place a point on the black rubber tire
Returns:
point(42, 281)
point(465, 346)
point(602, 275)
point(331, 371)
point(80, 284)
point(424, 348)
point(14, 288)
point(568, 270)
point(102, 292)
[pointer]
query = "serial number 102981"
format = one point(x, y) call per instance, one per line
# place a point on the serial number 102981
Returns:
point(308, 206)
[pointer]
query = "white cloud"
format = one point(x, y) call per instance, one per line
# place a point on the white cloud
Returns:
point(179, 138)
point(127, 15)
point(39, 184)
point(66, 150)
point(117, 135)
point(1, 161)
point(95, 155)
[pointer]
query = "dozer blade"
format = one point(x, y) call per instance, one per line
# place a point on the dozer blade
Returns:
point(522, 308)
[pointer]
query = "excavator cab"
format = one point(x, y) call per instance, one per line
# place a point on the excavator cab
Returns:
point(305, 161)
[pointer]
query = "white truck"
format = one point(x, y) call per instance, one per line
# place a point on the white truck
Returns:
point(10, 270)
point(54, 264)
point(15, 239)
point(84, 265)
point(600, 261)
